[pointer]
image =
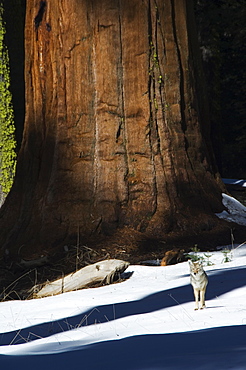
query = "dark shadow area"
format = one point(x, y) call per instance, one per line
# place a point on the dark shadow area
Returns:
point(217, 348)
point(220, 282)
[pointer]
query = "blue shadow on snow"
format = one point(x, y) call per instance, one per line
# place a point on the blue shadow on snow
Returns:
point(218, 348)
point(220, 282)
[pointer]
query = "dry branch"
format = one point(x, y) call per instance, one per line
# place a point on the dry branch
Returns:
point(96, 273)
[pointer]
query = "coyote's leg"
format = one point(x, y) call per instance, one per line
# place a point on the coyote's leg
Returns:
point(202, 298)
point(196, 294)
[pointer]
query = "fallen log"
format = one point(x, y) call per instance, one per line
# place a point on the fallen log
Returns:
point(103, 271)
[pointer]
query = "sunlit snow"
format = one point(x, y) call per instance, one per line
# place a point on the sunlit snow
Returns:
point(146, 322)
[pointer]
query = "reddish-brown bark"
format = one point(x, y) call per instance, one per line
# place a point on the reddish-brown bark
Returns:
point(116, 130)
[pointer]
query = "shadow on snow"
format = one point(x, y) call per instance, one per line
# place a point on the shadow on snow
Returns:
point(217, 348)
point(220, 282)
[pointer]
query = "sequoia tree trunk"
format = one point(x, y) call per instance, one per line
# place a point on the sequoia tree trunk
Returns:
point(116, 130)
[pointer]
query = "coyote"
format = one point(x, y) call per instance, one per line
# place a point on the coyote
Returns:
point(199, 282)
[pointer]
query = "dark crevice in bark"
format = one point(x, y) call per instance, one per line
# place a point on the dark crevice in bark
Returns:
point(160, 113)
point(152, 119)
point(151, 85)
point(65, 92)
point(96, 138)
point(39, 17)
point(182, 102)
point(102, 26)
point(154, 79)
point(120, 72)
point(93, 106)
point(158, 82)
point(122, 124)
point(118, 132)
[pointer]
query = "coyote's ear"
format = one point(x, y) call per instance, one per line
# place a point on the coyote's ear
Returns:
point(190, 262)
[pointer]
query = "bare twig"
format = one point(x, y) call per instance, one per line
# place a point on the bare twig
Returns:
point(240, 245)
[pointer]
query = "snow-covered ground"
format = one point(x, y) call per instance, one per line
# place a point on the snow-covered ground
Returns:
point(235, 182)
point(146, 322)
point(235, 211)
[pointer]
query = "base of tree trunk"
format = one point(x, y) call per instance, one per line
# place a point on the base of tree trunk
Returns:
point(206, 231)
point(126, 244)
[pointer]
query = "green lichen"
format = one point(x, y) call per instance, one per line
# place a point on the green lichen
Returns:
point(7, 128)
